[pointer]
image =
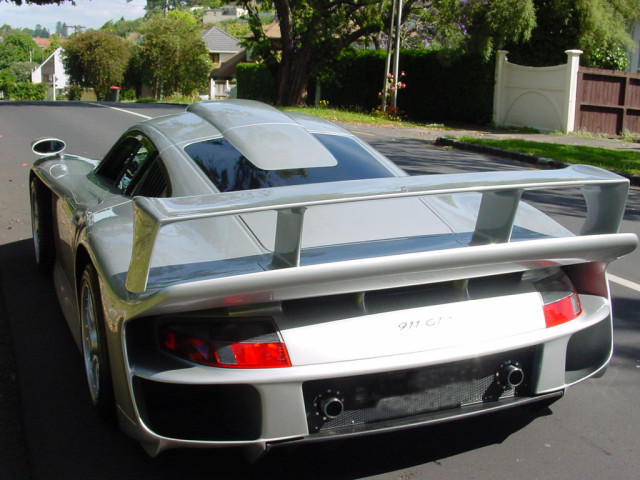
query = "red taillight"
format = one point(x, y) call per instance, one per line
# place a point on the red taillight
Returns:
point(238, 344)
point(562, 311)
point(560, 299)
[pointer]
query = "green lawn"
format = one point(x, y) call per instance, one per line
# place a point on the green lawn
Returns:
point(339, 115)
point(623, 161)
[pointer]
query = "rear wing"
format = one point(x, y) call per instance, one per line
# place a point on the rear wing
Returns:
point(604, 192)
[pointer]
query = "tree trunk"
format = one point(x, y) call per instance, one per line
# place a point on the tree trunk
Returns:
point(293, 76)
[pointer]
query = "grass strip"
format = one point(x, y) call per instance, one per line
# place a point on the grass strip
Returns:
point(340, 115)
point(623, 161)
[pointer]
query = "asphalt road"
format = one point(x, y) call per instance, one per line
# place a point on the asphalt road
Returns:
point(49, 431)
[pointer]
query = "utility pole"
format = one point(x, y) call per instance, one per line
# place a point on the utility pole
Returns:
point(387, 68)
point(77, 28)
point(396, 21)
point(396, 68)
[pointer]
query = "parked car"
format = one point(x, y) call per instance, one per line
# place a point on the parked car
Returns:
point(238, 276)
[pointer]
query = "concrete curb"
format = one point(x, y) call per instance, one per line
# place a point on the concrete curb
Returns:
point(519, 156)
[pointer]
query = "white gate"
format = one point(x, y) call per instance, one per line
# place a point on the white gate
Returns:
point(539, 97)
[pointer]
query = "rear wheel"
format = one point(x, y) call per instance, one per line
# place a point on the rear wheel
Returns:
point(42, 226)
point(94, 343)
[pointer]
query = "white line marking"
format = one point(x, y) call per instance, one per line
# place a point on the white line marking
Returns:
point(121, 110)
point(624, 282)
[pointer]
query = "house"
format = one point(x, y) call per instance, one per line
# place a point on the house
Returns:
point(43, 43)
point(225, 52)
point(228, 12)
point(221, 45)
point(51, 72)
point(272, 32)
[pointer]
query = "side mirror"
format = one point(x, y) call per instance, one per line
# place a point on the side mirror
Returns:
point(47, 146)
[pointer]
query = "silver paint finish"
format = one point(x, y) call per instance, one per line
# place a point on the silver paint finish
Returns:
point(203, 250)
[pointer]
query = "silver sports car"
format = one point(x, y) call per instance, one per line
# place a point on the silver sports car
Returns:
point(239, 276)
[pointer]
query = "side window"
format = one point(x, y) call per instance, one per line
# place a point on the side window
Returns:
point(126, 164)
point(133, 166)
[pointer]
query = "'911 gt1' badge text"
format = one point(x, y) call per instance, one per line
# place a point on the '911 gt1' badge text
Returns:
point(429, 322)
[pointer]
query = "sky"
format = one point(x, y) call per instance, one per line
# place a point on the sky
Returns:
point(88, 13)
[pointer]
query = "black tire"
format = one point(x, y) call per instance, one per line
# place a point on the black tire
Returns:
point(42, 226)
point(94, 344)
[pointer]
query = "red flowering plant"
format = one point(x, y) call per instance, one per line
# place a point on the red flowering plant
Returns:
point(385, 109)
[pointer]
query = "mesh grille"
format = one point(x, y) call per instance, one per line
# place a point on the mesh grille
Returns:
point(368, 399)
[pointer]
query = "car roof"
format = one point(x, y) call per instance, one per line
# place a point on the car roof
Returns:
point(271, 138)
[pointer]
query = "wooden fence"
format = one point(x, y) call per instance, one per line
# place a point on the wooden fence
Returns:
point(607, 101)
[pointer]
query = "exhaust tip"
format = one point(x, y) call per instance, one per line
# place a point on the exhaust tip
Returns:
point(510, 375)
point(331, 407)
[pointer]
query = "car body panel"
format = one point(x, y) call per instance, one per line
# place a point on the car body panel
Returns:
point(405, 288)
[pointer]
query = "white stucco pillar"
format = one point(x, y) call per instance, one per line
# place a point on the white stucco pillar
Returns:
point(573, 65)
point(498, 89)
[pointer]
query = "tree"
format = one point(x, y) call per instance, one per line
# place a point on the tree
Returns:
point(54, 43)
point(474, 26)
point(155, 6)
point(18, 47)
point(40, 32)
point(600, 28)
point(40, 2)
point(62, 29)
point(312, 33)
point(123, 28)
point(173, 57)
point(97, 60)
point(21, 71)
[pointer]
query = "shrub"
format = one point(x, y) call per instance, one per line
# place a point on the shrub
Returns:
point(255, 81)
point(75, 92)
point(28, 91)
point(437, 89)
point(614, 58)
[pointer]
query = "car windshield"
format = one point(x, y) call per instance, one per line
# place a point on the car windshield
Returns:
point(231, 171)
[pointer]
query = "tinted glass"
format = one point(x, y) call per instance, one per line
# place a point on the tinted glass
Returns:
point(230, 171)
point(128, 162)
point(133, 166)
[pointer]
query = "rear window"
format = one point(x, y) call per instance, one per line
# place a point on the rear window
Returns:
point(231, 171)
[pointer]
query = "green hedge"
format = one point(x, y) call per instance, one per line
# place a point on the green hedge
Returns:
point(358, 80)
point(437, 91)
point(459, 90)
point(256, 82)
point(27, 91)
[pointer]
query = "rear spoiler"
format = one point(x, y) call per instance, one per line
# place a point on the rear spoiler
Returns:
point(605, 195)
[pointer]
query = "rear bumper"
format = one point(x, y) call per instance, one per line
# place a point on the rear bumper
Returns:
point(181, 405)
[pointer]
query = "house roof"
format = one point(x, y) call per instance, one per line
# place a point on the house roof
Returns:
point(218, 41)
point(42, 42)
point(271, 30)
